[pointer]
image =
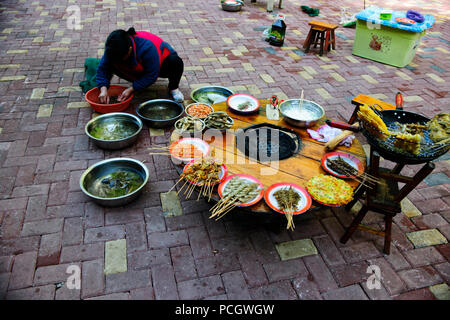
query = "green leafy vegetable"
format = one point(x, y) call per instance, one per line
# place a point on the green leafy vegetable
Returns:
point(113, 130)
point(116, 184)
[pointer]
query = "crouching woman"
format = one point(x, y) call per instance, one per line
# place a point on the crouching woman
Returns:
point(141, 58)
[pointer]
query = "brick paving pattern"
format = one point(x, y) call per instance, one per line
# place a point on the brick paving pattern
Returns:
point(144, 252)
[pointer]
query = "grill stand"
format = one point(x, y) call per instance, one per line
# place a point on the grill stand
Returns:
point(386, 200)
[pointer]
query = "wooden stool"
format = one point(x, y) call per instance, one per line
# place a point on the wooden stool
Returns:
point(322, 32)
point(317, 36)
point(386, 198)
point(363, 99)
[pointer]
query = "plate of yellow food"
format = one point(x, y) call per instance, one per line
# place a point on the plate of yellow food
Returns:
point(329, 190)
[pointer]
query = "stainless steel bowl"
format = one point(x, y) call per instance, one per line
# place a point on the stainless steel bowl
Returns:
point(214, 90)
point(233, 7)
point(112, 118)
point(105, 167)
point(309, 114)
point(160, 113)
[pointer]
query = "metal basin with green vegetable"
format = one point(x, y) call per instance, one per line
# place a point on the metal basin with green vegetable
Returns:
point(113, 131)
point(211, 94)
point(114, 182)
point(160, 113)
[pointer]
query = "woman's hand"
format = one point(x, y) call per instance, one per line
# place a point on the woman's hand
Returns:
point(125, 94)
point(103, 96)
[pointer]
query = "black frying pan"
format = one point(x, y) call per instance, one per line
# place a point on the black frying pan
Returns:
point(386, 148)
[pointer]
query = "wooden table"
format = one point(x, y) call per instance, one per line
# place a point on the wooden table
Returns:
point(298, 169)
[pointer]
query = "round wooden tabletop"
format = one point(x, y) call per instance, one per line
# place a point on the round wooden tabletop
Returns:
point(297, 169)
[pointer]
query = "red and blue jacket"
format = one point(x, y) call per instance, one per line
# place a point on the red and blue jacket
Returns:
point(143, 66)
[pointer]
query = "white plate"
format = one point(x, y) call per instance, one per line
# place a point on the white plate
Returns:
point(303, 205)
point(236, 99)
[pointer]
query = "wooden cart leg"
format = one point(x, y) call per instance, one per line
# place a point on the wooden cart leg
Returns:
point(387, 234)
point(356, 197)
point(354, 224)
point(398, 167)
point(333, 40)
point(418, 177)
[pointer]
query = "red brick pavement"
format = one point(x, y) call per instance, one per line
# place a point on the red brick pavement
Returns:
point(47, 224)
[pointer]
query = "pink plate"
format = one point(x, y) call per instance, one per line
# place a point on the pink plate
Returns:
point(222, 175)
point(351, 160)
point(202, 145)
point(249, 179)
point(304, 203)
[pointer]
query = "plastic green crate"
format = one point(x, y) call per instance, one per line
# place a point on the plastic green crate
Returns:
point(385, 44)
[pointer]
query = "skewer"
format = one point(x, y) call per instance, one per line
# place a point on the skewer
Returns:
point(191, 190)
point(201, 192)
point(224, 213)
point(210, 191)
point(181, 178)
point(290, 221)
point(182, 187)
point(351, 173)
point(219, 205)
point(156, 153)
point(301, 101)
point(158, 148)
point(229, 204)
point(227, 209)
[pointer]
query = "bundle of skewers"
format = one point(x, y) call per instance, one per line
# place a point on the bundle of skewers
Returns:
point(342, 167)
point(181, 150)
point(204, 173)
point(159, 150)
point(237, 191)
point(288, 201)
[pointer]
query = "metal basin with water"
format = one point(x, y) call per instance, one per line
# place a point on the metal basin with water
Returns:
point(306, 116)
point(105, 167)
point(160, 113)
point(113, 131)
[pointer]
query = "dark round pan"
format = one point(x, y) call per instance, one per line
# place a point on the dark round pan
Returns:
point(401, 116)
point(386, 148)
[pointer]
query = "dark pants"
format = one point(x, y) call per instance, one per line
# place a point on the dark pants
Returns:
point(172, 68)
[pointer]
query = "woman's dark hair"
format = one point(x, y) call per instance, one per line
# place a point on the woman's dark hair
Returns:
point(118, 43)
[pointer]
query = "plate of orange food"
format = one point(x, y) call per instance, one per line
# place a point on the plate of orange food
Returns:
point(188, 149)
